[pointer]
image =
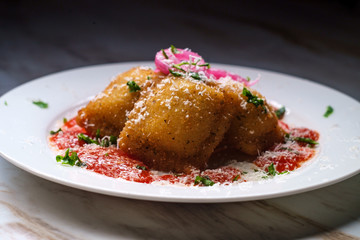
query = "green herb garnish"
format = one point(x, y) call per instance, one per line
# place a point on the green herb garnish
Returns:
point(305, 140)
point(290, 150)
point(195, 76)
point(174, 49)
point(183, 63)
point(65, 120)
point(193, 63)
point(253, 99)
point(164, 53)
point(271, 169)
point(87, 139)
point(113, 140)
point(141, 167)
point(329, 111)
point(207, 65)
point(5, 103)
point(248, 79)
point(236, 178)
point(97, 133)
point(177, 66)
point(55, 132)
point(280, 112)
point(133, 87)
point(41, 104)
point(106, 142)
point(300, 139)
point(175, 74)
point(287, 136)
point(204, 180)
point(71, 160)
point(148, 78)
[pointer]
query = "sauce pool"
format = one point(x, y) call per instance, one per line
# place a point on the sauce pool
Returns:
point(112, 162)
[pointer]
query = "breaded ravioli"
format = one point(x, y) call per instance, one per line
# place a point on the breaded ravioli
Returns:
point(254, 127)
point(107, 111)
point(177, 126)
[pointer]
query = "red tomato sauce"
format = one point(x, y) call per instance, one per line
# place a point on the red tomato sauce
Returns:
point(112, 162)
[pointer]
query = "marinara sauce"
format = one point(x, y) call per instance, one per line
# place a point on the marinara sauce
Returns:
point(297, 148)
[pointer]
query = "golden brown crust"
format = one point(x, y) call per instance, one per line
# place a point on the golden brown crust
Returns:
point(107, 111)
point(175, 123)
point(177, 126)
point(254, 128)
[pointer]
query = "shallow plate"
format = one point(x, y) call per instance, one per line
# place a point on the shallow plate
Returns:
point(24, 129)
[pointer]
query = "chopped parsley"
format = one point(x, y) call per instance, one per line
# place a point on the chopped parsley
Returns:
point(300, 139)
point(183, 63)
point(113, 140)
point(236, 178)
point(174, 49)
point(164, 53)
point(97, 134)
point(280, 112)
point(5, 103)
point(290, 150)
point(177, 66)
point(271, 169)
point(287, 136)
point(141, 167)
point(133, 87)
point(207, 65)
point(71, 160)
point(175, 74)
point(65, 120)
point(105, 142)
point(253, 99)
point(87, 139)
point(195, 76)
point(305, 140)
point(329, 111)
point(41, 104)
point(148, 78)
point(55, 132)
point(248, 78)
point(206, 181)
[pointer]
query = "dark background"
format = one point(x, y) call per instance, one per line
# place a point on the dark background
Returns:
point(317, 40)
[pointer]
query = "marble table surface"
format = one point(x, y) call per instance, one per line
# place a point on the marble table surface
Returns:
point(319, 41)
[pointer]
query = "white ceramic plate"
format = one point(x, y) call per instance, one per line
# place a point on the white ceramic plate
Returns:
point(24, 129)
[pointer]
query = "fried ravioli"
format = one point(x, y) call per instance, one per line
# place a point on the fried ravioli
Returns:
point(177, 126)
point(107, 111)
point(175, 123)
point(254, 127)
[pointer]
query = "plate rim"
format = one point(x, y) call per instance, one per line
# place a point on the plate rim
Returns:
point(162, 198)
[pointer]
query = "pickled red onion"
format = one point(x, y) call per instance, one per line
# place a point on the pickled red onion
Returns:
point(184, 60)
point(182, 55)
point(219, 73)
